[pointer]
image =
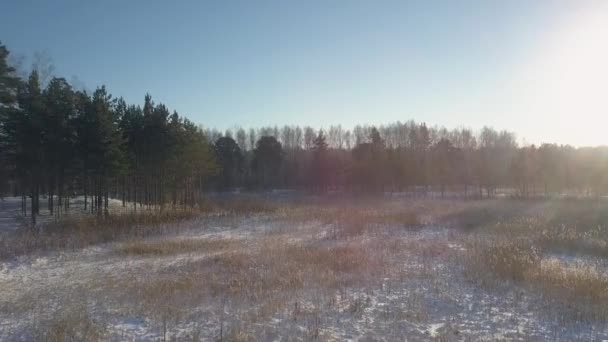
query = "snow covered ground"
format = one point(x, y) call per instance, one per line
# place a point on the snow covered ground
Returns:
point(11, 218)
point(259, 277)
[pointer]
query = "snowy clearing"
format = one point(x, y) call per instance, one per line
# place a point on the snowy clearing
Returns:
point(402, 270)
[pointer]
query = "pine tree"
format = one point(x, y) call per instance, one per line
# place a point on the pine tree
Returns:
point(268, 156)
point(101, 144)
point(230, 159)
point(320, 162)
point(9, 82)
point(9, 85)
point(59, 138)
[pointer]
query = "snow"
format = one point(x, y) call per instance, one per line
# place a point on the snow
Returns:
point(433, 329)
point(11, 219)
point(429, 299)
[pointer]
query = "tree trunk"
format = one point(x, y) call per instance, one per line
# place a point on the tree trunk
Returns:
point(50, 201)
point(84, 185)
point(124, 186)
point(106, 204)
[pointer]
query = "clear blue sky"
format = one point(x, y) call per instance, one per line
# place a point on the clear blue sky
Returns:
point(253, 63)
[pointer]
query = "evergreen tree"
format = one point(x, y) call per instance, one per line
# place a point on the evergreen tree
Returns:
point(229, 159)
point(102, 146)
point(30, 158)
point(59, 138)
point(9, 82)
point(321, 173)
point(9, 85)
point(268, 156)
point(444, 163)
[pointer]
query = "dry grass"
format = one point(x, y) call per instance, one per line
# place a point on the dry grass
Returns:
point(571, 240)
point(300, 275)
point(75, 232)
point(349, 218)
point(267, 279)
point(520, 248)
point(580, 287)
point(242, 205)
point(580, 282)
point(171, 247)
point(502, 259)
point(79, 232)
point(71, 324)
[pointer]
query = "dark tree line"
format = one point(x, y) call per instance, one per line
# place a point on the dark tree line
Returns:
point(57, 142)
point(413, 158)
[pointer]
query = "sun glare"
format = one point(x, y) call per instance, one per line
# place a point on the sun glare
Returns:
point(568, 79)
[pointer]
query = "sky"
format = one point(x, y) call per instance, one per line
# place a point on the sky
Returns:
point(537, 68)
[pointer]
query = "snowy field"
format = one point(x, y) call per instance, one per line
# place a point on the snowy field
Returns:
point(11, 217)
point(380, 269)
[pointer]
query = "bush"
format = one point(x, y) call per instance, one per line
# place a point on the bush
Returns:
point(511, 260)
